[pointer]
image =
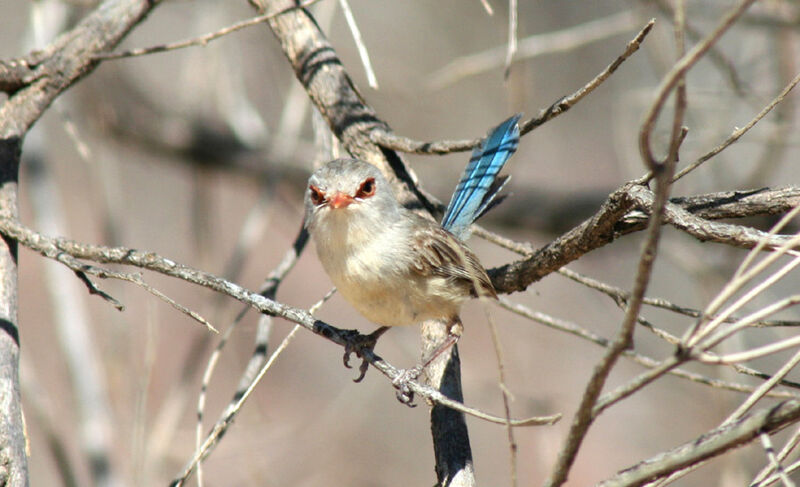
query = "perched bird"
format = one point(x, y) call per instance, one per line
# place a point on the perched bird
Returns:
point(393, 266)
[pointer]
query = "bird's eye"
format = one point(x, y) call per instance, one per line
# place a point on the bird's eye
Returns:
point(366, 189)
point(317, 196)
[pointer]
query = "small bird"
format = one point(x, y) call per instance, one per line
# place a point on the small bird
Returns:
point(393, 266)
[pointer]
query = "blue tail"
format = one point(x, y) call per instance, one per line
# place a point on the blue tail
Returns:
point(479, 184)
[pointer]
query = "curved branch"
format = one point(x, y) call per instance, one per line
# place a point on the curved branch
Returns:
point(676, 74)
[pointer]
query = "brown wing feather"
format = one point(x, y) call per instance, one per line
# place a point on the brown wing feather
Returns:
point(440, 253)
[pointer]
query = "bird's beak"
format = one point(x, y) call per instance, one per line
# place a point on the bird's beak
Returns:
point(340, 200)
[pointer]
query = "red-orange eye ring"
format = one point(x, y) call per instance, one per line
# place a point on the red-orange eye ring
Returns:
point(317, 196)
point(366, 189)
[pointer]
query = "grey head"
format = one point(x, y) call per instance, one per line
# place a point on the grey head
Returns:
point(348, 189)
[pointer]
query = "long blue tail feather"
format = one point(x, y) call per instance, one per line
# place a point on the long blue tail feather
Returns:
point(479, 184)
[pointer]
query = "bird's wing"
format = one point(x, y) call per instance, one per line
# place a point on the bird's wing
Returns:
point(479, 184)
point(440, 253)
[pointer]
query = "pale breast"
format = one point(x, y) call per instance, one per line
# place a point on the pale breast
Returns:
point(377, 278)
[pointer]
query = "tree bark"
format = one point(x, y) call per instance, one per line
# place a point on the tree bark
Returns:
point(351, 119)
point(13, 458)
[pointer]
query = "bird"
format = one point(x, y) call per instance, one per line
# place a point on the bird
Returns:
point(395, 267)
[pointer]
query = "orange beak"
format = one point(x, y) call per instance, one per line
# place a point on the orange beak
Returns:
point(340, 200)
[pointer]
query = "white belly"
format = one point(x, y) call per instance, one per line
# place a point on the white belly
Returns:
point(374, 275)
point(397, 301)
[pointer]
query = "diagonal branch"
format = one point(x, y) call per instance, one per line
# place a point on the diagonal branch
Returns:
point(711, 444)
point(627, 210)
point(389, 140)
point(65, 61)
point(55, 248)
point(16, 73)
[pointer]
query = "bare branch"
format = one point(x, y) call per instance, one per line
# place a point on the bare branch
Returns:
point(648, 362)
point(601, 228)
point(362, 49)
point(739, 132)
point(707, 231)
point(202, 40)
point(50, 247)
point(711, 444)
point(389, 140)
point(677, 73)
point(68, 59)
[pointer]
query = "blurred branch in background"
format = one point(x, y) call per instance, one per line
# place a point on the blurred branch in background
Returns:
point(531, 47)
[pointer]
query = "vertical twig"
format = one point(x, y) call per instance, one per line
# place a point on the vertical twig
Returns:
point(362, 49)
point(72, 327)
point(513, 12)
point(498, 350)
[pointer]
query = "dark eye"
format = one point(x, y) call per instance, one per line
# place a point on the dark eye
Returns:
point(317, 196)
point(366, 189)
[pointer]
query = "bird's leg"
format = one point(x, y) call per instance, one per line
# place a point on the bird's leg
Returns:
point(453, 334)
point(358, 344)
point(404, 393)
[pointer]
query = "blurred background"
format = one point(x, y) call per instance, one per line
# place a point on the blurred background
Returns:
point(201, 155)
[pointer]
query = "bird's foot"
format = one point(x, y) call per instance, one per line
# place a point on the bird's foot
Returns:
point(404, 393)
point(358, 344)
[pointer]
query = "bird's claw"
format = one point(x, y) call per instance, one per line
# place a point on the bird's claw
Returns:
point(404, 393)
point(358, 344)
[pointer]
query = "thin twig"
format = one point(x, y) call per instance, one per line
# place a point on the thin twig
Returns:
point(362, 49)
point(762, 390)
point(620, 296)
point(676, 74)
point(739, 132)
point(769, 469)
point(776, 465)
point(392, 141)
point(513, 13)
point(498, 351)
point(230, 413)
point(650, 363)
point(48, 247)
point(201, 40)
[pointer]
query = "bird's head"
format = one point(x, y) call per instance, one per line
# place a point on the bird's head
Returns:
point(348, 192)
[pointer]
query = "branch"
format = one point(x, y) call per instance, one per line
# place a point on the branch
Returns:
point(389, 140)
point(709, 445)
point(593, 233)
point(704, 230)
point(616, 217)
point(351, 120)
point(65, 61)
point(677, 73)
point(202, 40)
point(54, 247)
point(739, 132)
point(532, 46)
point(740, 203)
point(16, 73)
